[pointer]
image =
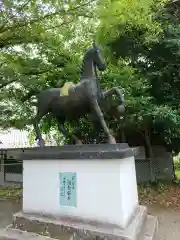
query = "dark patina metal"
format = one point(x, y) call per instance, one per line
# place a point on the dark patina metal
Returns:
point(77, 152)
point(83, 98)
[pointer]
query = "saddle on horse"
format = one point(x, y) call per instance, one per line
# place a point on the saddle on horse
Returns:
point(64, 90)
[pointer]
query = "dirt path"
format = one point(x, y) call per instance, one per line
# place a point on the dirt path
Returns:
point(169, 220)
point(7, 208)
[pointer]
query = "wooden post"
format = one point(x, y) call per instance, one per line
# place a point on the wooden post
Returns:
point(2, 169)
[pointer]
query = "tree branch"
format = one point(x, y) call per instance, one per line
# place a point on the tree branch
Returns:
point(39, 72)
point(20, 10)
point(59, 25)
point(2, 85)
point(15, 40)
point(23, 24)
point(18, 40)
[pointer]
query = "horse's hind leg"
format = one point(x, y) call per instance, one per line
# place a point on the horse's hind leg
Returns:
point(99, 113)
point(36, 121)
point(64, 131)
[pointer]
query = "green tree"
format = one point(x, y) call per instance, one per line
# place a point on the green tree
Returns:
point(155, 57)
point(38, 49)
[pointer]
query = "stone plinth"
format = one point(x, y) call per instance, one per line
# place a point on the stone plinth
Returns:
point(101, 189)
point(82, 192)
point(67, 228)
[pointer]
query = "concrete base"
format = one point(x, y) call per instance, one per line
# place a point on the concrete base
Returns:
point(141, 227)
point(149, 229)
point(91, 182)
point(16, 234)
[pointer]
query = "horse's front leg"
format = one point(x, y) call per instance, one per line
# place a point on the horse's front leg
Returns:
point(36, 121)
point(119, 93)
point(99, 113)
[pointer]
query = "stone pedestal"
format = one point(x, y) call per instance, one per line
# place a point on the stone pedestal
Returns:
point(102, 190)
point(82, 191)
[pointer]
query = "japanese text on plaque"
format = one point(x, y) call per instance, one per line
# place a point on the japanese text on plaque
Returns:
point(68, 189)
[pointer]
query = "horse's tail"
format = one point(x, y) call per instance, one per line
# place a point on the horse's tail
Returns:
point(31, 93)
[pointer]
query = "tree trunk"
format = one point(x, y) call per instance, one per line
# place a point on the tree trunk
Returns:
point(123, 137)
point(149, 153)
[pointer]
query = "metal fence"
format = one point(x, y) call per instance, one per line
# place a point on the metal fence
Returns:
point(11, 169)
point(149, 170)
point(160, 167)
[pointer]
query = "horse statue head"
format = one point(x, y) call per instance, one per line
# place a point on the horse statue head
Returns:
point(92, 60)
point(98, 59)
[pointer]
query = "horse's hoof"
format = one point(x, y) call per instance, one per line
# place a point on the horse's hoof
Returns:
point(121, 109)
point(41, 143)
point(111, 140)
point(79, 142)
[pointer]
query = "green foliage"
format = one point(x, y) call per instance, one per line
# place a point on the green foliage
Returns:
point(148, 44)
point(38, 49)
point(125, 15)
point(42, 45)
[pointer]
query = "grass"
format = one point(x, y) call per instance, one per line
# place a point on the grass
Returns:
point(10, 192)
point(177, 172)
point(177, 168)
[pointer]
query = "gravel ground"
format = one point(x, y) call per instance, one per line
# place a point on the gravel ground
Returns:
point(169, 222)
point(7, 208)
point(169, 219)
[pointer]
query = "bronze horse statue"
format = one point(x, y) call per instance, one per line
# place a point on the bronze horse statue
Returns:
point(81, 99)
